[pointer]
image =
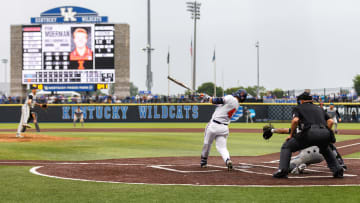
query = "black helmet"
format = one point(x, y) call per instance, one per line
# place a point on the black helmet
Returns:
point(241, 94)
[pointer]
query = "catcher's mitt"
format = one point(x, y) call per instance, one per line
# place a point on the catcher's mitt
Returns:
point(44, 106)
point(267, 131)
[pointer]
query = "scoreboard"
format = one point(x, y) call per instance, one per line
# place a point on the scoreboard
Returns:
point(68, 54)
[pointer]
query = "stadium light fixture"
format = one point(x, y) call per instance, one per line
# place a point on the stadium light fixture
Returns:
point(194, 9)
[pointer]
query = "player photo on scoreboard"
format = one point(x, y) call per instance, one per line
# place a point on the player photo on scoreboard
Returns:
point(81, 56)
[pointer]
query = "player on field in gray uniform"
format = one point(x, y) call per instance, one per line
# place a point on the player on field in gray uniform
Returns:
point(28, 112)
point(217, 129)
point(334, 115)
point(79, 114)
point(310, 155)
point(25, 113)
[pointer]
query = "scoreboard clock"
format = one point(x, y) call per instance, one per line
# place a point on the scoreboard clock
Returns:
point(68, 54)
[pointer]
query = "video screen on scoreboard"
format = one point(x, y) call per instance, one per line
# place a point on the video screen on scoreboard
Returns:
point(68, 53)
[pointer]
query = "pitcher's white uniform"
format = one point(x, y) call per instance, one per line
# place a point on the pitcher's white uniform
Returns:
point(25, 113)
point(217, 129)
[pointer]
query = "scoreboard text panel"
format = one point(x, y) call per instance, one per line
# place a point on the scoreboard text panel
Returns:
point(68, 53)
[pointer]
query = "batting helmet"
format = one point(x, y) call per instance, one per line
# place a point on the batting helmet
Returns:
point(240, 94)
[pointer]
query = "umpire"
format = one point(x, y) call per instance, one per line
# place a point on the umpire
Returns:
point(315, 126)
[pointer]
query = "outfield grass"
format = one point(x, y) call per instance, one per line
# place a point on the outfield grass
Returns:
point(18, 185)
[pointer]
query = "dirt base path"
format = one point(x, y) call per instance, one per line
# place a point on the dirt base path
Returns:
point(186, 130)
point(249, 171)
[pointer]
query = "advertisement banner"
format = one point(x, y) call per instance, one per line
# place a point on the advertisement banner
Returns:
point(160, 113)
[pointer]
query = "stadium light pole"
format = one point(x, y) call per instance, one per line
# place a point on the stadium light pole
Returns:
point(194, 9)
point(148, 49)
point(257, 45)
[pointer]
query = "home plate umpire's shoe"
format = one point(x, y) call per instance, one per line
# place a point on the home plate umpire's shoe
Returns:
point(339, 173)
point(229, 165)
point(281, 173)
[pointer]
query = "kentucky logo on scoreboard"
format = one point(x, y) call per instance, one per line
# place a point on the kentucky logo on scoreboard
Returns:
point(69, 14)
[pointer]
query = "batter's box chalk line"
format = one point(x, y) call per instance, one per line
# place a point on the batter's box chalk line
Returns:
point(272, 167)
point(168, 168)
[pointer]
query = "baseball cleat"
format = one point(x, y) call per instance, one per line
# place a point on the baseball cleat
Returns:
point(229, 165)
point(19, 136)
point(299, 170)
point(203, 162)
point(203, 165)
point(281, 173)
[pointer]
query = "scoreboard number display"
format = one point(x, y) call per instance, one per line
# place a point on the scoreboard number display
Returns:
point(68, 54)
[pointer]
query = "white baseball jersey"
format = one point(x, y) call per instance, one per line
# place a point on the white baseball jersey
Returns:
point(218, 130)
point(224, 112)
point(25, 113)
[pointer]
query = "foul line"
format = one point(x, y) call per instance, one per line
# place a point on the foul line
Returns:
point(348, 145)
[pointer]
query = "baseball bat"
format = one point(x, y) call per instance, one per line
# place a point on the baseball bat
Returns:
point(186, 87)
point(180, 83)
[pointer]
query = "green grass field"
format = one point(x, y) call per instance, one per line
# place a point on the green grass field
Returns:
point(18, 185)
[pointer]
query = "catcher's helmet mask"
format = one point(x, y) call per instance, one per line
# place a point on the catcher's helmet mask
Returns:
point(240, 94)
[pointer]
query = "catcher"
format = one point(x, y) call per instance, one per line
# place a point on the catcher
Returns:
point(310, 155)
point(79, 114)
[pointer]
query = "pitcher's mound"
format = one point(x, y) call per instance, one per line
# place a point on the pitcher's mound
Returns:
point(29, 137)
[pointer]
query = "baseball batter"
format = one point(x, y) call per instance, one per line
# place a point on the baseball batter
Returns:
point(217, 129)
point(334, 115)
point(79, 115)
point(310, 155)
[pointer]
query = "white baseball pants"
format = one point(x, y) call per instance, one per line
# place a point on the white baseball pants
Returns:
point(219, 133)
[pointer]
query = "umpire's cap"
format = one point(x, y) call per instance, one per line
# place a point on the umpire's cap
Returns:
point(304, 96)
point(241, 94)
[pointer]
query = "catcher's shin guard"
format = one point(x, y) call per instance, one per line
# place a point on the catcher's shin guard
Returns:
point(338, 156)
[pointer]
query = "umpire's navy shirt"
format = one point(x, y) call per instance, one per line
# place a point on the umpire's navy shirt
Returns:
point(310, 114)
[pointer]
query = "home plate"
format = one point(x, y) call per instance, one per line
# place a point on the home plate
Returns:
point(243, 166)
